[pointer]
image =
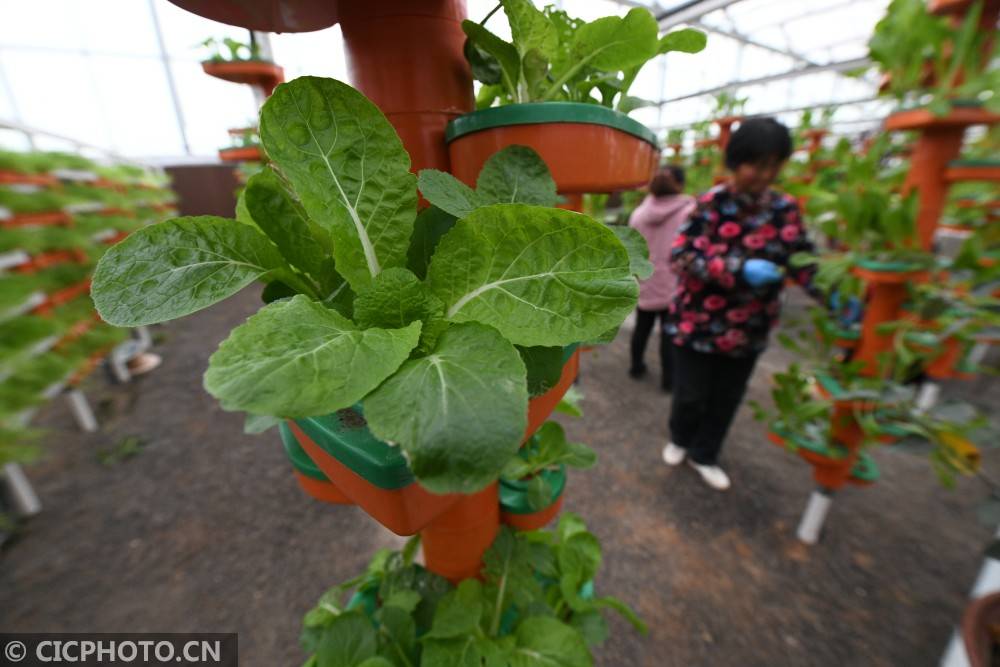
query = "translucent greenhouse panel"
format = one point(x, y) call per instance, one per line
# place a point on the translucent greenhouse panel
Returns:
point(184, 31)
point(206, 123)
point(588, 10)
point(55, 92)
point(687, 74)
point(497, 24)
point(319, 53)
point(139, 115)
point(40, 24)
point(100, 35)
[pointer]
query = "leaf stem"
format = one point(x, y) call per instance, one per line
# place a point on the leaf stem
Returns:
point(492, 12)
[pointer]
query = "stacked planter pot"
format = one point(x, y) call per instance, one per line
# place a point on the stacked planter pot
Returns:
point(588, 148)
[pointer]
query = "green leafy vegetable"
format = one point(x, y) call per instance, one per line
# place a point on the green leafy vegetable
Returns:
point(512, 175)
point(553, 56)
point(434, 408)
point(540, 276)
point(349, 169)
point(638, 251)
point(297, 358)
point(178, 267)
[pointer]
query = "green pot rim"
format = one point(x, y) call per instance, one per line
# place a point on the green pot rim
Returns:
point(830, 451)
point(514, 493)
point(377, 462)
point(300, 460)
point(977, 162)
point(535, 113)
point(888, 267)
point(865, 469)
point(832, 328)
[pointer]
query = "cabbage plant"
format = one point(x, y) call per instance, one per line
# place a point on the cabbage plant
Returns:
point(427, 320)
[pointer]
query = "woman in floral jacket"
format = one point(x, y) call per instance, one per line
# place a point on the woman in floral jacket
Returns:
point(730, 258)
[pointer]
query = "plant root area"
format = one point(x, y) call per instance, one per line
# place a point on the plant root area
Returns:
point(200, 528)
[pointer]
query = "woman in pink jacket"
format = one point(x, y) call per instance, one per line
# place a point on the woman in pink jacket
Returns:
point(658, 218)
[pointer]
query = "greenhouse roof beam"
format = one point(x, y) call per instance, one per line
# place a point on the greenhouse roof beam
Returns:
point(842, 66)
point(775, 112)
point(691, 11)
point(816, 11)
point(749, 41)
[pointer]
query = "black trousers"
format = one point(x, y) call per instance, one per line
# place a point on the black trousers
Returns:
point(644, 322)
point(708, 389)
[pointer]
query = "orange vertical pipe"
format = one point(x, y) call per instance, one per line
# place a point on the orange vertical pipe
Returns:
point(936, 147)
point(454, 543)
point(407, 58)
point(884, 302)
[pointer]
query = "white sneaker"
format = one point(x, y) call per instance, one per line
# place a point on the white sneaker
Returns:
point(714, 476)
point(673, 455)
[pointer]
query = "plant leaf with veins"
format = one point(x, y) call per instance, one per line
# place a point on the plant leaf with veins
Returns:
point(433, 408)
point(541, 276)
point(348, 167)
point(180, 266)
point(297, 358)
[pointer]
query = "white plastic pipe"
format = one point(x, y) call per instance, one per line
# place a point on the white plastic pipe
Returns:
point(145, 339)
point(80, 408)
point(813, 518)
point(19, 491)
point(928, 396)
point(978, 353)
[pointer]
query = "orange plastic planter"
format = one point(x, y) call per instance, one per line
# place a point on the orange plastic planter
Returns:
point(17, 178)
point(65, 295)
point(588, 148)
point(320, 490)
point(267, 15)
point(726, 129)
point(37, 220)
point(541, 407)
point(244, 154)
point(52, 258)
point(886, 293)
point(959, 116)
point(404, 511)
point(455, 541)
point(535, 520)
point(969, 171)
point(267, 75)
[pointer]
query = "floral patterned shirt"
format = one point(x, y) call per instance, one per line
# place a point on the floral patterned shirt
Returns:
point(714, 309)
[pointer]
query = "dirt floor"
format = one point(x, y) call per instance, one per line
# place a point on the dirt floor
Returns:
point(206, 530)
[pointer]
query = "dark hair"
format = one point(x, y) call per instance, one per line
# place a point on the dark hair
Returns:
point(668, 180)
point(757, 140)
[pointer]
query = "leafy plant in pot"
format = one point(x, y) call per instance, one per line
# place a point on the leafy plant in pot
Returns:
point(563, 83)
point(533, 481)
point(818, 391)
point(929, 61)
point(239, 62)
point(419, 321)
point(534, 606)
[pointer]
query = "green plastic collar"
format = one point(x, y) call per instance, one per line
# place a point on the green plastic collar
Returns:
point(514, 493)
point(829, 450)
point(888, 267)
point(982, 162)
point(533, 113)
point(831, 329)
point(356, 447)
point(865, 469)
point(300, 460)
